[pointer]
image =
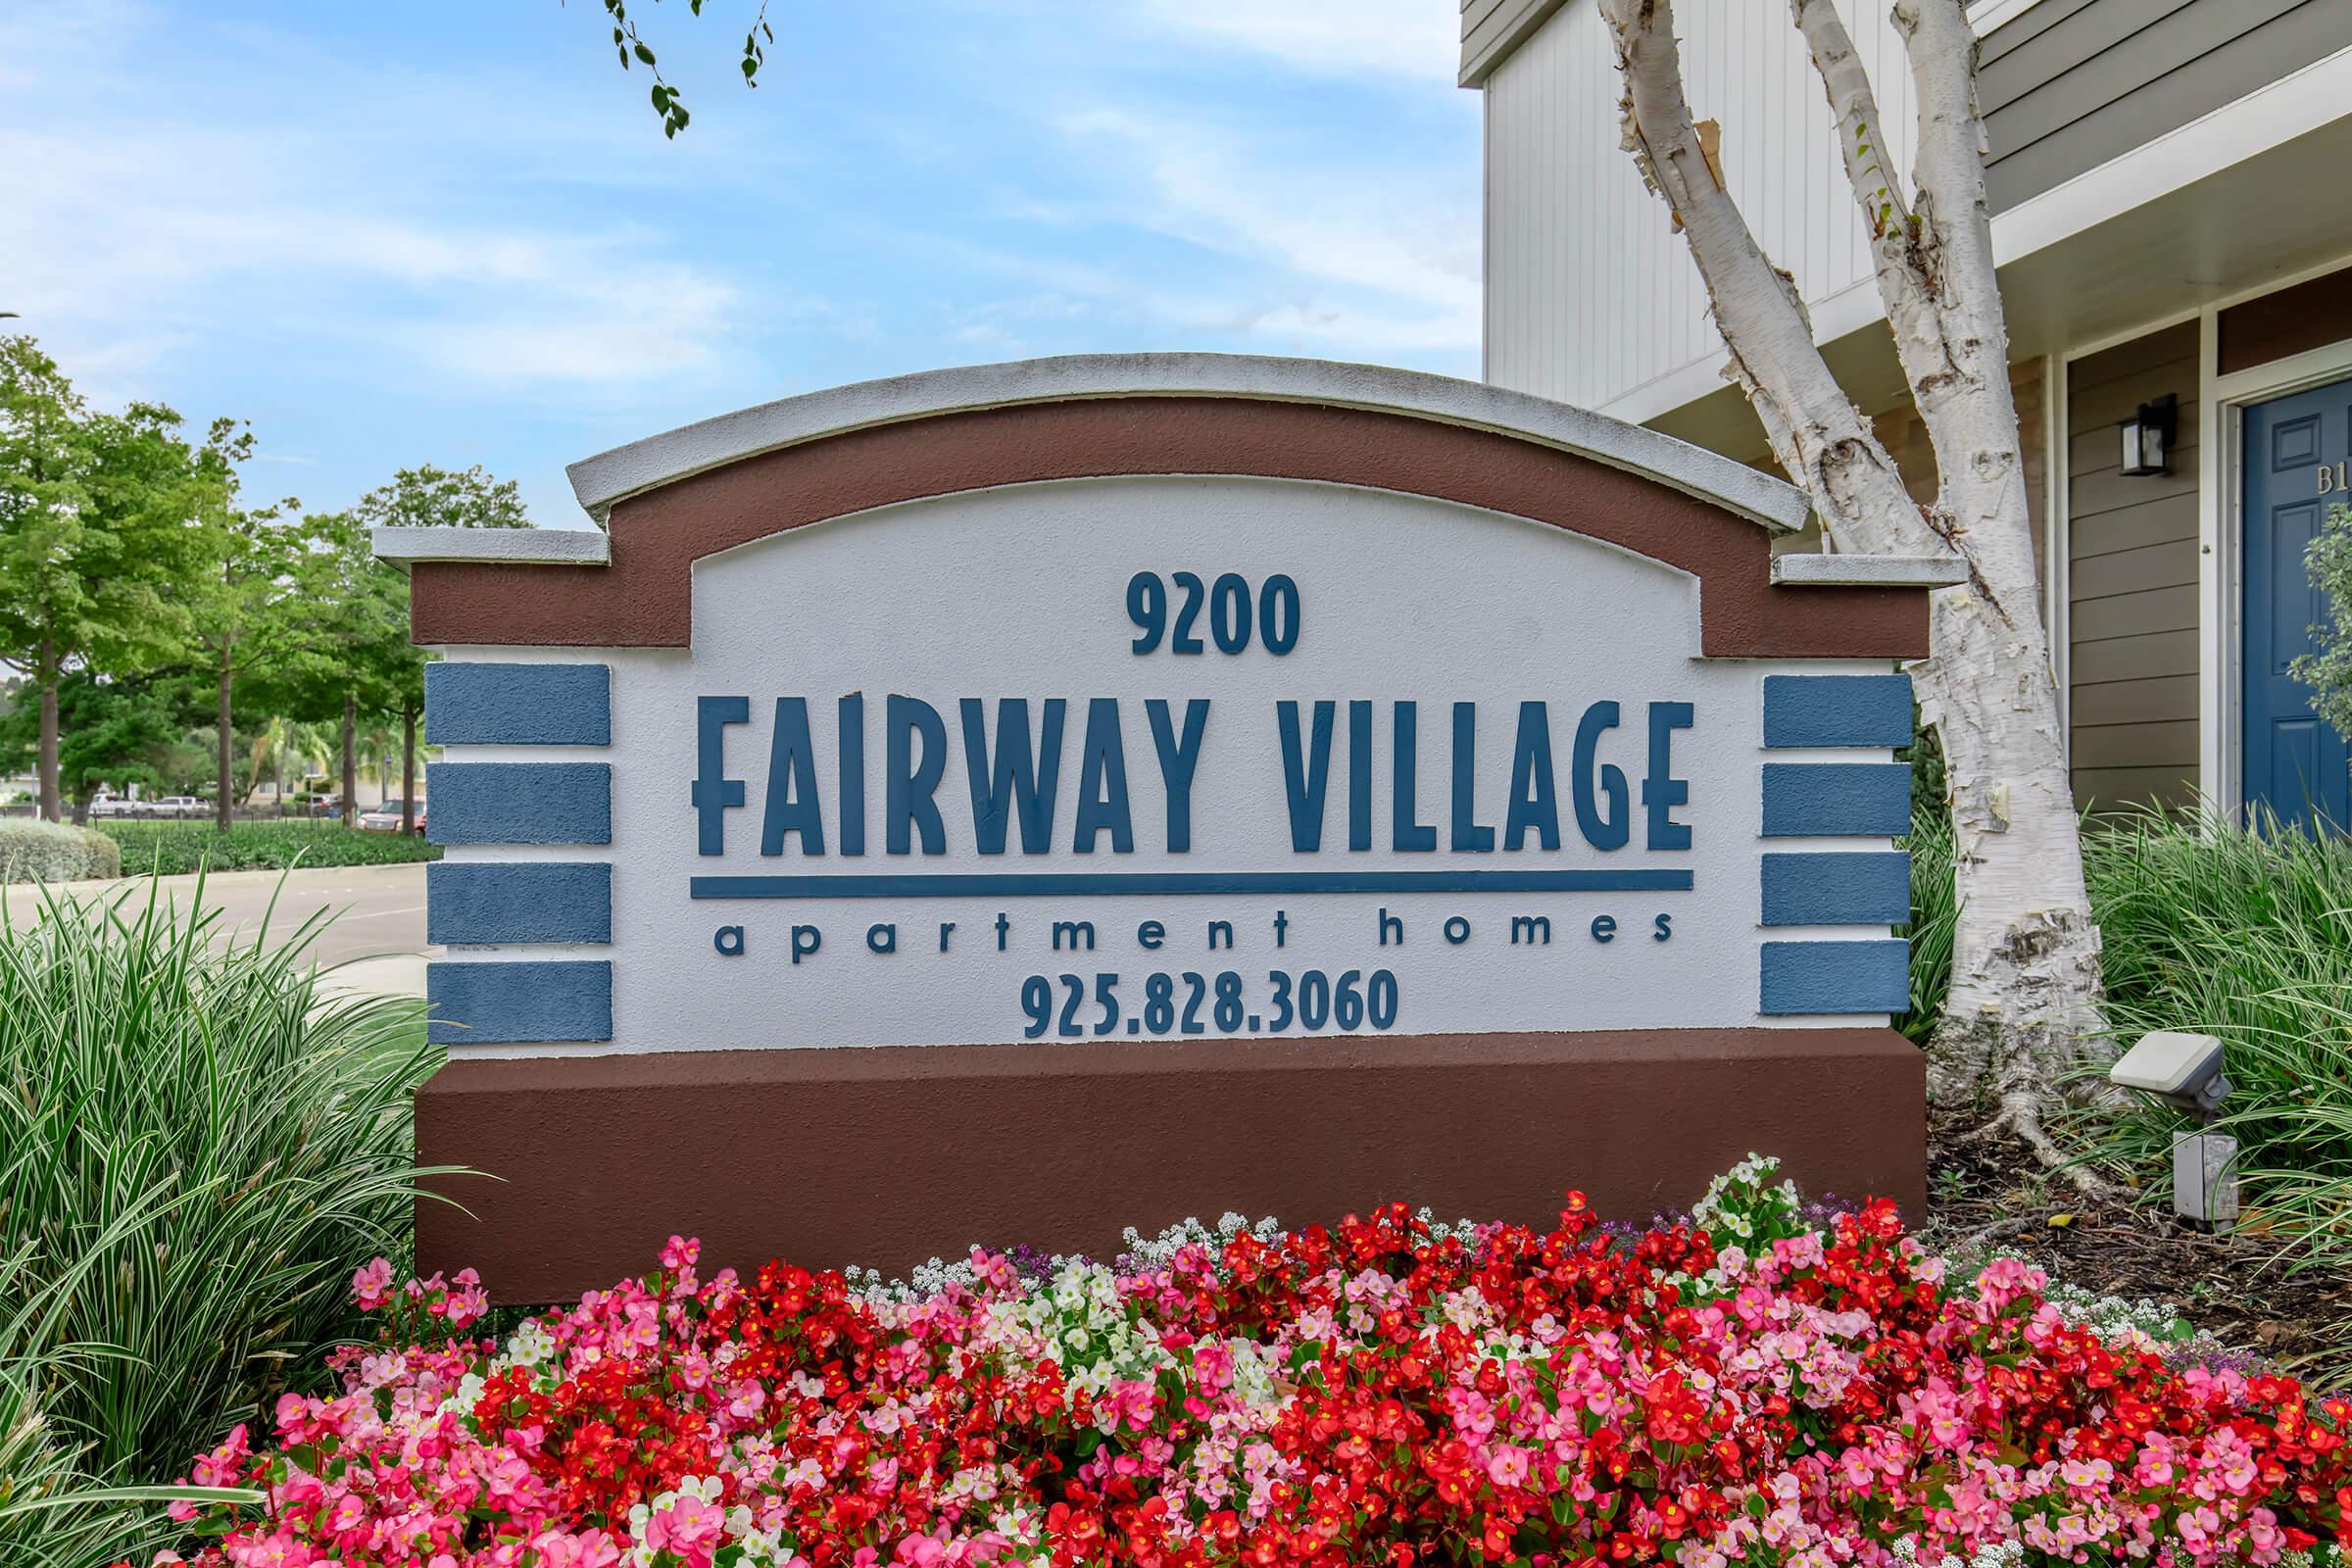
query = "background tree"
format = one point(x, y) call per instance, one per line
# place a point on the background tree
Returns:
point(248, 613)
point(428, 497)
point(96, 533)
point(417, 498)
point(111, 730)
point(355, 657)
point(2025, 1004)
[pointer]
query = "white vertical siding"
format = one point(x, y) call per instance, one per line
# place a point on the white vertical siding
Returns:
point(1591, 297)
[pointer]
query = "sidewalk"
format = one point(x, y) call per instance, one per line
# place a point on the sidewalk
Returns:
point(374, 943)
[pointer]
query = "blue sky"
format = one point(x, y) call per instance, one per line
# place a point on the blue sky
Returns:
point(408, 231)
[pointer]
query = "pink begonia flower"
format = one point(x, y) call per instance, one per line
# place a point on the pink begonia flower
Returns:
point(372, 1284)
point(469, 1302)
point(592, 1548)
point(226, 1464)
point(1508, 1467)
point(689, 1527)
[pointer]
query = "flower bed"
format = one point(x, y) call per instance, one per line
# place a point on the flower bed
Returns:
point(1745, 1387)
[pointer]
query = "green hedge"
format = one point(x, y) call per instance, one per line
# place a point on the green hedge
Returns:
point(33, 851)
point(173, 848)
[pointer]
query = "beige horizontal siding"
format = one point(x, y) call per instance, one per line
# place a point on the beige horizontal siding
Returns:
point(2124, 789)
point(2073, 84)
point(2130, 573)
point(2133, 564)
point(2154, 701)
point(2157, 654)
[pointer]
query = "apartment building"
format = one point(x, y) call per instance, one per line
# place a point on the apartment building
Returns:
point(2170, 183)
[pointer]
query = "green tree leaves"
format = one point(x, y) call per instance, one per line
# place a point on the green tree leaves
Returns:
point(2328, 670)
point(102, 515)
point(629, 47)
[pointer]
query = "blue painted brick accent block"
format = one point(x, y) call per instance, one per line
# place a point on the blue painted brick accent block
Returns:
point(520, 802)
point(511, 1003)
point(474, 903)
point(468, 703)
point(1870, 800)
point(1804, 977)
point(1863, 888)
point(1836, 711)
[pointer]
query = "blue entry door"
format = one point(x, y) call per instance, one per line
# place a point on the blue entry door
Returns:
point(2296, 462)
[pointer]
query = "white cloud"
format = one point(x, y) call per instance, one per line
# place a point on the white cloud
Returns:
point(139, 242)
point(1393, 38)
point(1369, 261)
point(140, 230)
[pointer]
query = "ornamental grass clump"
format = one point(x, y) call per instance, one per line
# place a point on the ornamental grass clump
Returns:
point(2247, 935)
point(1749, 1387)
point(196, 1144)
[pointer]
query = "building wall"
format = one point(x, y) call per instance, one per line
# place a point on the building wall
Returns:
point(1592, 298)
point(2072, 83)
point(1590, 293)
point(2133, 564)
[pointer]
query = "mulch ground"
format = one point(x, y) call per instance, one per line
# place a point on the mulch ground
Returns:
point(1991, 1194)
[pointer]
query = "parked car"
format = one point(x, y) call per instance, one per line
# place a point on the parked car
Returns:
point(326, 805)
point(385, 818)
point(176, 806)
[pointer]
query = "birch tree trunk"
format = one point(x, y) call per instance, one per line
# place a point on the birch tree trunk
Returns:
point(2025, 1004)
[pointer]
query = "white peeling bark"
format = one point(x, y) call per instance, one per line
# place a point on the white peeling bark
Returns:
point(1818, 435)
point(2025, 1004)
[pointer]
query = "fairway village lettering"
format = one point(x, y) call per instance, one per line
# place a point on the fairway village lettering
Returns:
point(1023, 787)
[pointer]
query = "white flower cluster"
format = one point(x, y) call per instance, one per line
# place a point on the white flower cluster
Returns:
point(2140, 1324)
point(1742, 1196)
point(530, 1345)
point(1080, 1322)
point(923, 1281)
point(2005, 1554)
point(1153, 1254)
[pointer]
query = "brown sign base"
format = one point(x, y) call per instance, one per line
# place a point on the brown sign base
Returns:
point(891, 1155)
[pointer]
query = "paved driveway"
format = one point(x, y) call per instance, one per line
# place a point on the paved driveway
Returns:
point(379, 913)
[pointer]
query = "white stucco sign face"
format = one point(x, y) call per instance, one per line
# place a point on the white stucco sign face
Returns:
point(1142, 757)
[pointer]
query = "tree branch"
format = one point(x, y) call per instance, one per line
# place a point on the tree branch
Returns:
point(1906, 286)
point(1960, 374)
point(1820, 438)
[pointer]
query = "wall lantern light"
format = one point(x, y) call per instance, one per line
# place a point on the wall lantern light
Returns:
point(2149, 436)
point(2186, 1070)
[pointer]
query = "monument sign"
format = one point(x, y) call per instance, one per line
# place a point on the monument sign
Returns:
point(1014, 803)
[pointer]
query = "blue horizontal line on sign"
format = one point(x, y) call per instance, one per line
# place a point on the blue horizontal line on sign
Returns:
point(1040, 884)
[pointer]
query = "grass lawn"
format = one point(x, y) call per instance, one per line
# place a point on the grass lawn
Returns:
point(173, 848)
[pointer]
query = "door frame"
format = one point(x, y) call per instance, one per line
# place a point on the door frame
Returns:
point(2222, 527)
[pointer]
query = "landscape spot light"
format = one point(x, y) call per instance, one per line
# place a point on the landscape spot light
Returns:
point(2186, 1070)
